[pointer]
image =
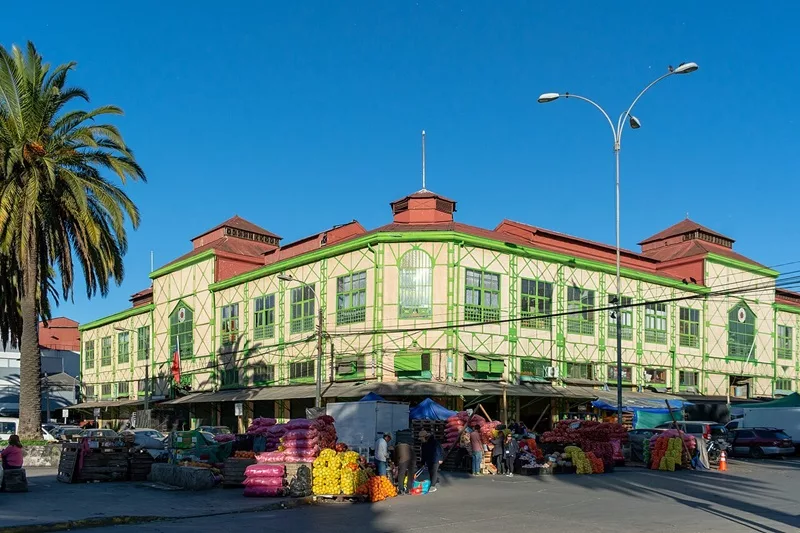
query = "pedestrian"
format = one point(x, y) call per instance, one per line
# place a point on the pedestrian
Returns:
point(497, 452)
point(476, 445)
point(382, 453)
point(11, 457)
point(432, 456)
point(406, 465)
point(510, 451)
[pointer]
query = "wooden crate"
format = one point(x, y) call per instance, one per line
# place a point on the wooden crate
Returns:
point(140, 464)
point(233, 471)
point(104, 464)
point(68, 463)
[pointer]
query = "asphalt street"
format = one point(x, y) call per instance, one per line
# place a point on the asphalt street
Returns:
point(752, 496)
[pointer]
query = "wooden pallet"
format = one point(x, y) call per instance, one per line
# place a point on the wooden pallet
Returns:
point(68, 463)
point(233, 471)
point(341, 498)
point(140, 465)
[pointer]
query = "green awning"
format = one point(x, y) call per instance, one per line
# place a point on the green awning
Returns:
point(408, 362)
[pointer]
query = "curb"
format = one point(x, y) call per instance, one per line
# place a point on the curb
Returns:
point(88, 523)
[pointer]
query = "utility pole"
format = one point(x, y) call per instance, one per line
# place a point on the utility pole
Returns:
point(147, 377)
point(318, 369)
point(47, 395)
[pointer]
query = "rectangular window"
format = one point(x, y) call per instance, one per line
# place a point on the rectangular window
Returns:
point(351, 298)
point(264, 317)
point(105, 352)
point(688, 378)
point(350, 367)
point(230, 377)
point(89, 394)
point(412, 365)
point(302, 313)
point(657, 376)
point(533, 369)
point(481, 296)
point(785, 341)
point(690, 327)
point(482, 367)
point(263, 374)
point(626, 317)
point(783, 385)
point(627, 374)
point(302, 371)
point(123, 347)
point(123, 389)
point(655, 323)
point(536, 304)
point(580, 304)
point(88, 354)
point(141, 386)
point(143, 343)
point(105, 389)
point(230, 324)
point(579, 371)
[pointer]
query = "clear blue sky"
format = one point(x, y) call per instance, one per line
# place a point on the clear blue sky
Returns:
point(301, 115)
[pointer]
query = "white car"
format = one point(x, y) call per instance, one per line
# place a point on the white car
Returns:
point(10, 426)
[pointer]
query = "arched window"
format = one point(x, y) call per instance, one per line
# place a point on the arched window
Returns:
point(181, 329)
point(416, 285)
point(741, 332)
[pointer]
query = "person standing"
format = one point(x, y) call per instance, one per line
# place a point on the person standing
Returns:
point(382, 453)
point(510, 452)
point(406, 465)
point(432, 457)
point(497, 452)
point(476, 445)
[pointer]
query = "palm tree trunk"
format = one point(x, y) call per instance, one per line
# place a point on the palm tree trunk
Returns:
point(30, 394)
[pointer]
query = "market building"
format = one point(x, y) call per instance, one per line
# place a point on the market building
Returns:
point(517, 316)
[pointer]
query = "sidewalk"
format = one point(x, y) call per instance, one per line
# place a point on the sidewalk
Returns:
point(50, 502)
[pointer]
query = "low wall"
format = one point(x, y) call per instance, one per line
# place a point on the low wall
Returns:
point(47, 455)
point(185, 477)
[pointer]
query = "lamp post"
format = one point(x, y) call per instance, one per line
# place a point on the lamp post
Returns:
point(146, 367)
point(320, 321)
point(616, 130)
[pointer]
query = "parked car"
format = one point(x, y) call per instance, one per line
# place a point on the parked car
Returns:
point(151, 440)
point(214, 430)
point(698, 429)
point(98, 433)
point(760, 442)
point(10, 426)
point(67, 432)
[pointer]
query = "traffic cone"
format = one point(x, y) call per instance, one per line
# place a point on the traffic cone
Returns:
point(723, 462)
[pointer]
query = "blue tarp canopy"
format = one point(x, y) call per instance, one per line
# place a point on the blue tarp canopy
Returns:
point(631, 401)
point(372, 397)
point(430, 410)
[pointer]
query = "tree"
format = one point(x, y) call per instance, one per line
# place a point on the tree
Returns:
point(10, 317)
point(56, 207)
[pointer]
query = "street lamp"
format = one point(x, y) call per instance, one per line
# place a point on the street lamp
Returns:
point(320, 320)
point(683, 68)
point(146, 368)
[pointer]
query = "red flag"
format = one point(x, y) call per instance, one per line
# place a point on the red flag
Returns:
point(176, 364)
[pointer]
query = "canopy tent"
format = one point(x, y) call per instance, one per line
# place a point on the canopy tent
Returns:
point(649, 409)
point(430, 410)
point(372, 397)
point(650, 418)
point(792, 400)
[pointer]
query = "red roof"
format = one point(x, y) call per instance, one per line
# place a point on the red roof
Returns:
point(424, 194)
point(681, 228)
point(238, 222)
point(141, 294)
point(695, 247)
point(61, 322)
point(229, 245)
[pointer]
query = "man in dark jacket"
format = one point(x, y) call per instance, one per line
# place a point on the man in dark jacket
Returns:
point(406, 463)
point(432, 456)
point(510, 451)
point(497, 453)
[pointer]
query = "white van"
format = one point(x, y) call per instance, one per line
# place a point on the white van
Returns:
point(9, 426)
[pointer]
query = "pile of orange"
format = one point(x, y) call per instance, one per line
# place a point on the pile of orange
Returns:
point(380, 488)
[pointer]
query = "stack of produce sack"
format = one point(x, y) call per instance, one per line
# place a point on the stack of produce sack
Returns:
point(669, 449)
point(274, 435)
point(301, 441)
point(603, 439)
point(260, 426)
point(327, 473)
point(380, 488)
point(326, 431)
point(264, 480)
point(225, 437)
point(579, 459)
point(352, 476)
point(457, 423)
point(270, 457)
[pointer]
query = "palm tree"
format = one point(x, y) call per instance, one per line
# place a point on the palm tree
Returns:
point(10, 317)
point(56, 207)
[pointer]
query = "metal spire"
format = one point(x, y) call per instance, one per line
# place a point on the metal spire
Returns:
point(423, 161)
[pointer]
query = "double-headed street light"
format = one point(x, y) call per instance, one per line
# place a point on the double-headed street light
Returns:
point(320, 321)
point(616, 130)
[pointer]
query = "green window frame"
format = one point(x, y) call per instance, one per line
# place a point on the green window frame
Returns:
point(302, 371)
point(785, 340)
point(580, 371)
point(481, 296)
point(143, 343)
point(302, 315)
point(88, 393)
point(350, 367)
point(688, 378)
point(123, 389)
point(655, 323)
point(123, 347)
point(580, 304)
point(536, 304)
point(783, 384)
point(263, 374)
point(88, 355)
point(181, 331)
point(741, 332)
point(229, 378)
point(229, 329)
point(531, 369)
point(689, 326)
point(106, 390)
point(481, 367)
point(264, 317)
point(105, 352)
point(627, 373)
point(351, 298)
point(657, 376)
point(626, 317)
point(413, 365)
point(415, 285)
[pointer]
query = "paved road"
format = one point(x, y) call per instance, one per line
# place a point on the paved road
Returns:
point(751, 497)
